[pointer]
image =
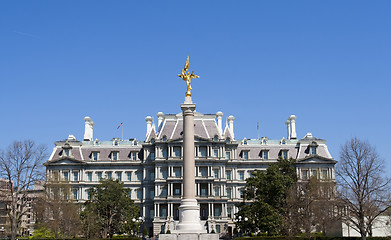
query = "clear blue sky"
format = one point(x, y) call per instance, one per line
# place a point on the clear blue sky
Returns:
point(327, 62)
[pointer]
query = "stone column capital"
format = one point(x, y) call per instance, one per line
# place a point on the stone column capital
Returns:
point(188, 108)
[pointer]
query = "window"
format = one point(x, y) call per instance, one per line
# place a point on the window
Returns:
point(88, 194)
point(75, 193)
point(164, 138)
point(119, 176)
point(304, 174)
point(202, 151)
point(228, 155)
point(229, 212)
point(116, 143)
point(283, 141)
point(151, 175)
point(216, 173)
point(314, 173)
point(324, 174)
point(218, 229)
point(215, 138)
point(177, 151)
point(114, 156)
point(217, 212)
point(135, 143)
point(177, 172)
point(164, 153)
point(66, 177)
point(215, 153)
point(109, 175)
point(151, 193)
point(265, 154)
point(75, 176)
point(96, 143)
point(313, 150)
point(163, 211)
point(204, 171)
point(244, 142)
point(241, 191)
point(241, 175)
point(229, 192)
point(152, 155)
point(228, 174)
point(204, 189)
point(134, 155)
point(164, 192)
point(89, 176)
point(139, 176)
point(177, 189)
point(164, 173)
point(95, 156)
point(217, 191)
point(245, 155)
point(67, 152)
point(129, 176)
point(285, 154)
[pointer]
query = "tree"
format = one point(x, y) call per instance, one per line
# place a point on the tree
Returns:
point(109, 209)
point(21, 166)
point(56, 211)
point(363, 188)
point(265, 196)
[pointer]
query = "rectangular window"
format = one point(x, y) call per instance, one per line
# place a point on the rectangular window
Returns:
point(215, 153)
point(229, 212)
point(324, 174)
point(285, 154)
point(177, 171)
point(204, 171)
point(241, 193)
point(66, 152)
point(228, 173)
point(75, 176)
point(114, 156)
point(229, 193)
point(202, 151)
point(228, 155)
point(164, 192)
point(66, 177)
point(177, 189)
point(88, 194)
point(89, 176)
point(109, 175)
point(134, 155)
point(218, 229)
point(151, 175)
point(217, 191)
point(140, 194)
point(95, 156)
point(304, 174)
point(241, 175)
point(217, 212)
point(75, 193)
point(164, 153)
point(314, 173)
point(151, 193)
point(245, 155)
point(265, 155)
point(313, 150)
point(216, 173)
point(152, 156)
point(177, 151)
point(139, 176)
point(119, 176)
point(164, 174)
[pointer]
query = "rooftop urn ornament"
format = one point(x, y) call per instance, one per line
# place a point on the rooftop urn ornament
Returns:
point(187, 76)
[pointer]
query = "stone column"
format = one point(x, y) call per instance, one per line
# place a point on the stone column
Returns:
point(189, 211)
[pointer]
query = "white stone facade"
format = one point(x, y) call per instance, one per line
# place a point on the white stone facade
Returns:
point(152, 169)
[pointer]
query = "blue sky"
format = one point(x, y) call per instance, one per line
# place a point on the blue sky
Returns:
point(327, 62)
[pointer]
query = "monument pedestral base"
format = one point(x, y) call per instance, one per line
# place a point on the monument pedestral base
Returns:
point(189, 236)
point(189, 218)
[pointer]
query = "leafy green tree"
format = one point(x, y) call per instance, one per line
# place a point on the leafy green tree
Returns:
point(265, 194)
point(109, 210)
point(43, 233)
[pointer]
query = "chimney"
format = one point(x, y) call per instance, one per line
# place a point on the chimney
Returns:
point(292, 119)
point(288, 126)
point(149, 119)
point(88, 130)
point(220, 122)
point(231, 125)
point(160, 119)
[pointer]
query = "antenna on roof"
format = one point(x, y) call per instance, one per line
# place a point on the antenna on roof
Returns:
point(258, 129)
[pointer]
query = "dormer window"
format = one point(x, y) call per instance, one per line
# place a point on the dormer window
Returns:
point(228, 141)
point(313, 148)
point(152, 141)
point(114, 156)
point(164, 138)
point(245, 155)
point(283, 141)
point(116, 143)
point(264, 141)
point(265, 154)
point(245, 142)
point(96, 143)
point(284, 154)
point(135, 143)
point(67, 152)
point(215, 138)
point(95, 156)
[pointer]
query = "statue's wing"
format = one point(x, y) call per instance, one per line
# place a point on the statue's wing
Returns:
point(187, 64)
point(192, 75)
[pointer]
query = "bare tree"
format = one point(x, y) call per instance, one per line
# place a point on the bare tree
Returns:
point(363, 187)
point(20, 165)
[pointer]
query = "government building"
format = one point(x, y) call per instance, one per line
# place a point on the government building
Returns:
point(152, 168)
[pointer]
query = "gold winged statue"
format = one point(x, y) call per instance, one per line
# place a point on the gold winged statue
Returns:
point(187, 77)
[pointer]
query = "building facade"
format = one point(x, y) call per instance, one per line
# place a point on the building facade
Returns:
point(152, 168)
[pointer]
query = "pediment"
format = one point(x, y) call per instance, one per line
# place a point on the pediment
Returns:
point(315, 159)
point(64, 161)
